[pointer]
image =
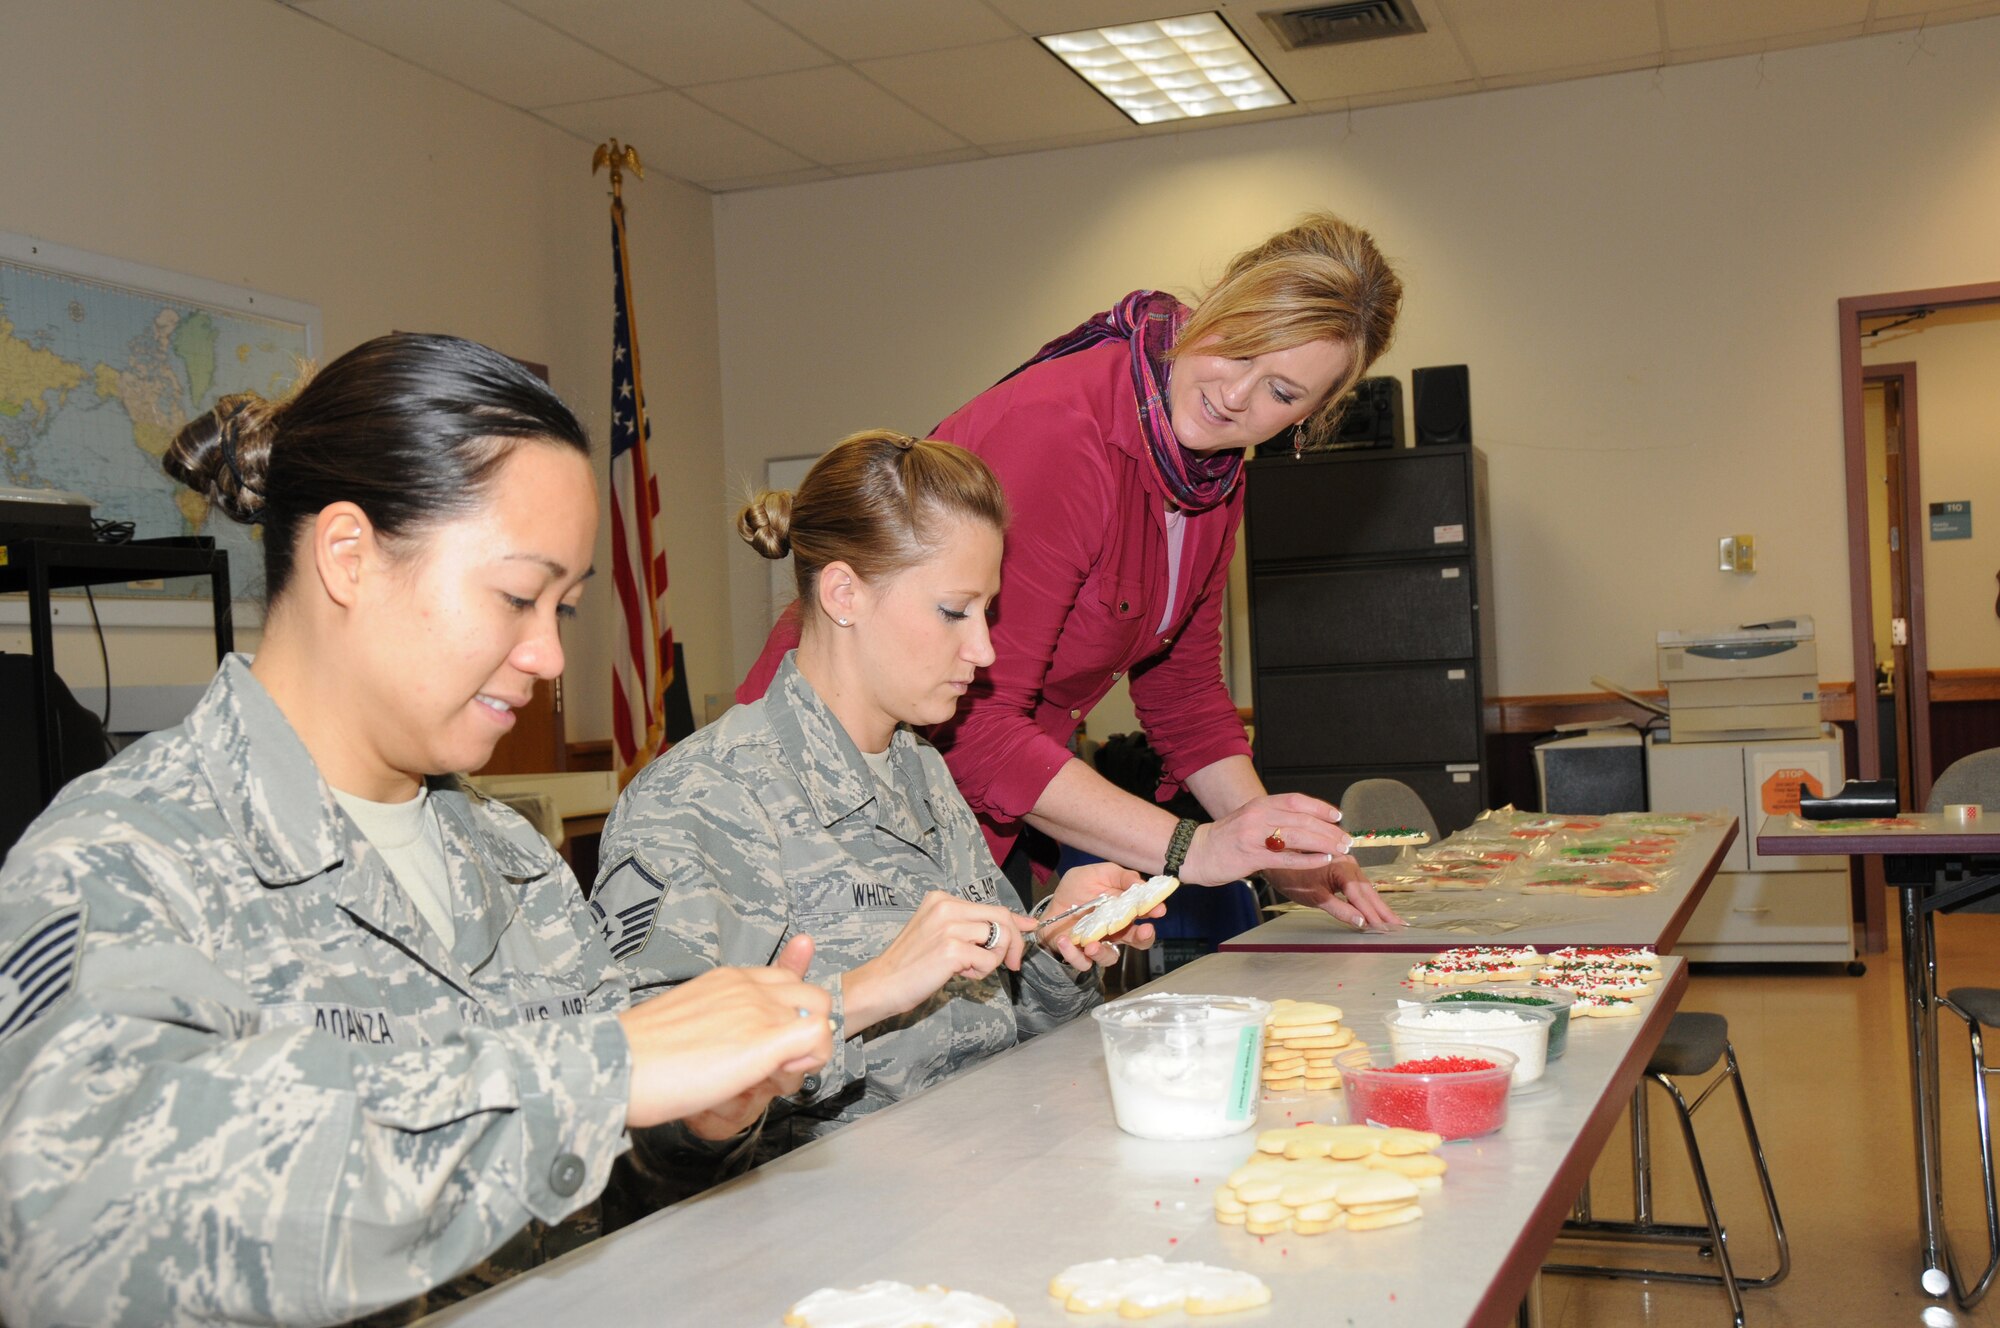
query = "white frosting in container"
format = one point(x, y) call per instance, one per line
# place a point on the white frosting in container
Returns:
point(1522, 1030)
point(1183, 1067)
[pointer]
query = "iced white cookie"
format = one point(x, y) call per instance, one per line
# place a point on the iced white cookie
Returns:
point(897, 1305)
point(1114, 913)
point(1148, 1284)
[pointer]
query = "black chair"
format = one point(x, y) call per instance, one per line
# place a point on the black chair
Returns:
point(1693, 1045)
point(1974, 780)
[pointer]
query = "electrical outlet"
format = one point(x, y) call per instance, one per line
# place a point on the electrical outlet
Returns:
point(1738, 553)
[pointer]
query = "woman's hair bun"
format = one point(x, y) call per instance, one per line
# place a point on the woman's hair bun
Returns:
point(225, 454)
point(765, 523)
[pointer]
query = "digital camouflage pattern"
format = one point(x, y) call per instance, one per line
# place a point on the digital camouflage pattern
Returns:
point(270, 1094)
point(769, 823)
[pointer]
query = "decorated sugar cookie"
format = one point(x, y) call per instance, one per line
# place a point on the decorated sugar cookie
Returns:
point(897, 1305)
point(1603, 1005)
point(1641, 956)
point(1114, 913)
point(1397, 837)
point(1148, 1285)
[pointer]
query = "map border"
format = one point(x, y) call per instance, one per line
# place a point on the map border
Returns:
point(61, 260)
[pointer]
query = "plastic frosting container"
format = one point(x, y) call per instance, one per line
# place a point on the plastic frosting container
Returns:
point(1553, 999)
point(1183, 1067)
point(1521, 1031)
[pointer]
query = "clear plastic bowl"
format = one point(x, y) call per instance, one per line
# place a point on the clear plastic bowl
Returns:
point(1458, 1104)
point(1520, 1029)
point(1526, 994)
point(1183, 1067)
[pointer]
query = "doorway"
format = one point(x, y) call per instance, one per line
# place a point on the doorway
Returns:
point(1880, 340)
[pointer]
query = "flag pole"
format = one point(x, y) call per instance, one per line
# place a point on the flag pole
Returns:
point(644, 667)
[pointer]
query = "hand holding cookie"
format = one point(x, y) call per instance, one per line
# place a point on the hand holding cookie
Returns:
point(726, 1042)
point(947, 937)
point(1082, 945)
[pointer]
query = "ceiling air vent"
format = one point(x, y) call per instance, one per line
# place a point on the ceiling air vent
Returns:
point(1335, 25)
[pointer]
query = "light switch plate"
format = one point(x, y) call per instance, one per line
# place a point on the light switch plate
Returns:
point(1739, 553)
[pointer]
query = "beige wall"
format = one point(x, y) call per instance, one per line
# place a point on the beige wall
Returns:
point(237, 141)
point(1957, 354)
point(1642, 271)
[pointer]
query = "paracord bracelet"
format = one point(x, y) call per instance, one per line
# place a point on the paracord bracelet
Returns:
point(1177, 847)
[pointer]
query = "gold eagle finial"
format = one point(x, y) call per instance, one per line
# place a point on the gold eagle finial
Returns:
point(620, 157)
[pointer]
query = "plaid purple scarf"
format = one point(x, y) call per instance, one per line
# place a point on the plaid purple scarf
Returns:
point(1148, 321)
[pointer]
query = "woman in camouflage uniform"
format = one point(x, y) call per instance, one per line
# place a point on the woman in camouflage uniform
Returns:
point(817, 809)
point(292, 1026)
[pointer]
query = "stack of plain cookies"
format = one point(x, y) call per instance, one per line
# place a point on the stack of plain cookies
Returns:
point(1300, 1040)
point(1314, 1178)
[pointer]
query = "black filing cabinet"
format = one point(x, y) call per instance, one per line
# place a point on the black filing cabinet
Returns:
point(1371, 630)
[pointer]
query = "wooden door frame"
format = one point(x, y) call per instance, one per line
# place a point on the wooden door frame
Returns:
point(1917, 686)
point(1853, 310)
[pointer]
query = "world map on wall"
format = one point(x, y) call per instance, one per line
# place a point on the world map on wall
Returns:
point(95, 380)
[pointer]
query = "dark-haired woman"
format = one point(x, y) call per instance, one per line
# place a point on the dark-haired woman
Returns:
point(293, 1027)
point(1120, 446)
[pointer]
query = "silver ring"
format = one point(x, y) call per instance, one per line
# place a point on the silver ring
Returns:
point(992, 941)
point(1111, 948)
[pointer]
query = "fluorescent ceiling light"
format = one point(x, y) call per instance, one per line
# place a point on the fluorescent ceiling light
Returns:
point(1170, 69)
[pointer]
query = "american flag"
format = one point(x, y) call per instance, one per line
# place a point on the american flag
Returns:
point(644, 665)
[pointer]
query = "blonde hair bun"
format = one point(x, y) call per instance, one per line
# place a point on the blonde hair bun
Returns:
point(765, 523)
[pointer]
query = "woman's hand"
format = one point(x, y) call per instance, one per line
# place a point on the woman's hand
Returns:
point(718, 1047)
point(1283, 832)
point(1342, 889)
point(944, 939)
point(1080, 885)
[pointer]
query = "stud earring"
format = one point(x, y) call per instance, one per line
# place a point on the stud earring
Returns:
point(841, 621)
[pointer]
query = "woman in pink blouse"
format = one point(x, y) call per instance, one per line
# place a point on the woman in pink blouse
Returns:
point(1120, 446)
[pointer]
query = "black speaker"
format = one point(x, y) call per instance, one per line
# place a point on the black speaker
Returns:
point(1373, 415)
point(1443, 404)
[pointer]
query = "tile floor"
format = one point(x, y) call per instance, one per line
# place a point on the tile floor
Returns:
point(1825, 1060)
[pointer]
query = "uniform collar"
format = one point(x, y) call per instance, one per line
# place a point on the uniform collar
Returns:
point(269, 792)
point(830, 769)
point(267, 789)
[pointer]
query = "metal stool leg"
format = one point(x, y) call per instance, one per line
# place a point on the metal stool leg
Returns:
point(1971, 1295)
point(1711, 1234)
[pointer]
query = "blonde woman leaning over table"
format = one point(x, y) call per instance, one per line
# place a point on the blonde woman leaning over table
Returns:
point(1120, 446)
point(819, 809)
point(292, 1026)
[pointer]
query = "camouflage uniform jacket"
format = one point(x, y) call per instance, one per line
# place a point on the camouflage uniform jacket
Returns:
point(769, 823)
point(242, 1081)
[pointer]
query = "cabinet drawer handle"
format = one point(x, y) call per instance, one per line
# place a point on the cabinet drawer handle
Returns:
point(1753, 910)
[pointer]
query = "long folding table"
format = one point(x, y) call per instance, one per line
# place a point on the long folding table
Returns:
point(999, 1178)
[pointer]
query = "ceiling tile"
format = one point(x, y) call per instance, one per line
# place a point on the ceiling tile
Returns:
point(1699, 24)
point(677, 136)
point(681, 42)
point(1938, 13)
point(870, 29)
point(1000, 92)
point(1518, 36)
point(1041, 17)
point(489, 47)
point(1531, 77)
point(832, 116)
point(910, 163)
